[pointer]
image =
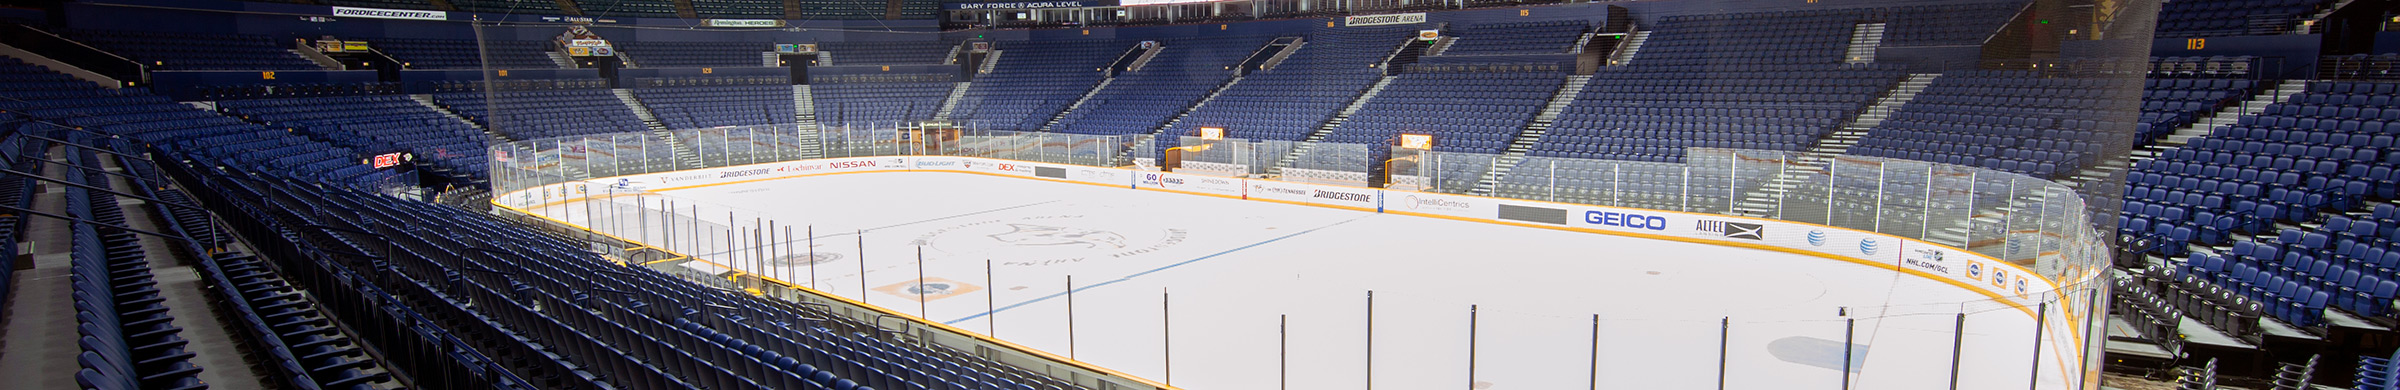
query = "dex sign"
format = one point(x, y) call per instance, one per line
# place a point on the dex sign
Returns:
point(1416, 141)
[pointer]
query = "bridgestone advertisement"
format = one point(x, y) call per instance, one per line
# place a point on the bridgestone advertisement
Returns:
point(1383, 20)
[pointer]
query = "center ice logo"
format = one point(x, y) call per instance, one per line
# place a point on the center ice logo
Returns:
point(801, 259)
point(1040, 240)
point(930, 289)
point(1056, 235)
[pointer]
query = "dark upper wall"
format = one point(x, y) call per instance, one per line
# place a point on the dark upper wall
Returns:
point(1643, 12)
point(221, 16)
point(284, 20)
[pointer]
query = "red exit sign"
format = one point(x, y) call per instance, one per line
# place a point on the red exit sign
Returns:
point(386, 160)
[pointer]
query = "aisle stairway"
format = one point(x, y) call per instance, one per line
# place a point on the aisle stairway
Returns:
point(1533, 133)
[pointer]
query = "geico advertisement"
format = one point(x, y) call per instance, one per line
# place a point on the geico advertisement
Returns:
point(1629, 220)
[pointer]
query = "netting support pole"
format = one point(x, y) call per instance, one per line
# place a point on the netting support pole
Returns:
point(1166, 335)
point(1849, 336)
point(1471, 323)
point(1967, 240)
point(666, 224)
point(2008, 219)
point(1958, 340)
point(991, 315)
point(862, 265)
point(733, 243)
point(2091, 312)
point(1880, 174)
point(758, 243)
point(642, 218)
point(1833, 175)
point(1070, 317)
point(1783, 167)
point(788, 252)
point(1595, 352)
point(696, 246)
point(1724, 329)
point(2041, 315)
point(812, 257)
point(1925, 228)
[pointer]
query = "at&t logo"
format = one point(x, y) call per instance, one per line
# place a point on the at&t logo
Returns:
point(1816, 238)
point(1867, 245)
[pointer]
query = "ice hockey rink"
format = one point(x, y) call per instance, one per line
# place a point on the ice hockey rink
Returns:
point(1216, 293)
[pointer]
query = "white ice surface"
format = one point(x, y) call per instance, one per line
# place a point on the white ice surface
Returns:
point(1232, 267)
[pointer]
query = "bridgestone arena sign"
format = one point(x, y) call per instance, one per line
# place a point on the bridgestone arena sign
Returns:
point(1382, 20)
point(378, 13)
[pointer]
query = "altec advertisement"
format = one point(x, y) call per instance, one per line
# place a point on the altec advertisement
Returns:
point(2000, 278)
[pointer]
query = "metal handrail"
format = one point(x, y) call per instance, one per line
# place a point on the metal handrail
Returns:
point(86, 46)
